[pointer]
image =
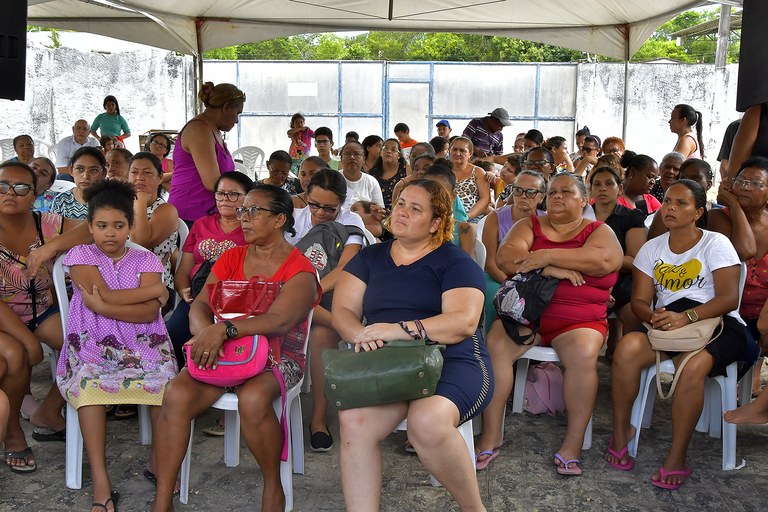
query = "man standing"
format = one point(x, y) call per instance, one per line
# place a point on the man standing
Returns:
point(485, 134)
point(324, 146)
point(444, 129)
point(68, 145)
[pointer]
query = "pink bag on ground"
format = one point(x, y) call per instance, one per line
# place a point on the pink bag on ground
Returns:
point(243, 358)
point(544, 389)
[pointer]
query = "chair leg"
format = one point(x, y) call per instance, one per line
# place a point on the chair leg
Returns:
point(74, 450)
point(145, 426)
point(745, 387)
point(728, 389)
point(297, 435)
point(518, 394)
point(185, 467)
point(642, 409)
point(588, 435)
point(231, 438)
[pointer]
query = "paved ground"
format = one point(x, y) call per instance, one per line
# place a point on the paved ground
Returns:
point(521, 478)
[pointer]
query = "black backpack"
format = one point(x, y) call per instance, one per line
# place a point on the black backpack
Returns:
point(324, 243)
point(520, 300)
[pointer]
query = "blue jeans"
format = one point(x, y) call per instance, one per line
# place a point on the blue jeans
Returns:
point(178, 331)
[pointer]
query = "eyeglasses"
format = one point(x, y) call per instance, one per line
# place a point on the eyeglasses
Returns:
point(588, 149)
point(249, 212)
point(159, 144)
point(614, 149)
point(390, 149)
point(356, 154)
point(220, 195)
point(19, 189)
point(741, 183)
point(530, 193)
point(81, 170)
point(322, 141)
point(327, 209)
point(536, 163)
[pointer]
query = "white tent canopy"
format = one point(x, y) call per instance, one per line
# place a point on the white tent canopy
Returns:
point(613, 28)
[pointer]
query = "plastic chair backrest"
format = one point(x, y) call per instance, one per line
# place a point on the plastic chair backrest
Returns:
point(6, 149)
point(252, 158)
point(479, 253)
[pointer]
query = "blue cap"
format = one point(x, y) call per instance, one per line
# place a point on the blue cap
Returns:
point(444, 122)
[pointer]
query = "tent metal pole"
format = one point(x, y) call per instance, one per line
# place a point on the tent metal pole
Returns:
point(199, 64)
point(626, 84)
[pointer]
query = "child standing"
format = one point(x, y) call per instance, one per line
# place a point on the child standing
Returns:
point(116, 349)
point(112, 124)
point(301, 141)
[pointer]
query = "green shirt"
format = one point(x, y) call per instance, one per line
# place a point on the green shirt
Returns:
point(112, 125)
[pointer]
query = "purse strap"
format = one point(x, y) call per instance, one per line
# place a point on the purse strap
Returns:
point(283, 417)
point(679, 371)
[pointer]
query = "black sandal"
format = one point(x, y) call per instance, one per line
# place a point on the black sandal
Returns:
point(114, 498)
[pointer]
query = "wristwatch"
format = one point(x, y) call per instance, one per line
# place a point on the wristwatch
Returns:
point(231, 330)
point(692, 315)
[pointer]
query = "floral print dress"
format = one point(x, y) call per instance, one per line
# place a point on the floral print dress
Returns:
point(107, 361)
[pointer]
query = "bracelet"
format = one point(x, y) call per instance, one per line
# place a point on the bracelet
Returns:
point(404, 326)
point(422, 332)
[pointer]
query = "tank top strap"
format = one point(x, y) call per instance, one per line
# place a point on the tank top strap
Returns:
point(591, 227)
point(536, 227)
point(695, 142)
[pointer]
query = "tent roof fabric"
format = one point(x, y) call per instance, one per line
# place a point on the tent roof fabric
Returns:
point(613, 28)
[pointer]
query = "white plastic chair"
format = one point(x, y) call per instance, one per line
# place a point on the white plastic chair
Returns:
point(228, 403)
point(6, 149)
point(521, 373)
point(720, 395)
point(74, 441)
point(479, 228)
point(466, 431)
point(45, 149)
point(479, 253)
point(253, 160)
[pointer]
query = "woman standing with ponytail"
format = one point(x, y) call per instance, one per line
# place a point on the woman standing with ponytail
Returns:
point(200, 155)
point(683, 119)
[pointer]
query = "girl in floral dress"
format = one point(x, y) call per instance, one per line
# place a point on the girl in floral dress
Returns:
point(116, 349)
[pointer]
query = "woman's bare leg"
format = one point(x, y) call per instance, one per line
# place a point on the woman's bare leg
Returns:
point(578, 350)
point(185, 398)
point(323, 337)
point(432, 430)
point(13, 383)
point(263, 435)
point(361, 431)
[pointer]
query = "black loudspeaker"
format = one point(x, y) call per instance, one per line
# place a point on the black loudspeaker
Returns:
point(13, 49)
point(753, 74)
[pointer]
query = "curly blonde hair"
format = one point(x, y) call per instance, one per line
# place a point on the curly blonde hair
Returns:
point(441, 203)
point(216, 96)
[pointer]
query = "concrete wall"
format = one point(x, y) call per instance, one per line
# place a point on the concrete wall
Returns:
point(654, 89)
point(154, 89)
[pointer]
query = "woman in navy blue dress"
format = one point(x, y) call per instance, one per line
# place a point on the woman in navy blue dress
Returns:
point(418, 284)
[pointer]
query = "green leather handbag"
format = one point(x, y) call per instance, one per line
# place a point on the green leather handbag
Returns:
point(397, 372)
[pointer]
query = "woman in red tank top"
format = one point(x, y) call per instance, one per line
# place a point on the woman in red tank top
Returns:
point(586, 257)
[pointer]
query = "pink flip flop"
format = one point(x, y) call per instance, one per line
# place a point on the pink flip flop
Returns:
point(564, 469)
point(619, 455)
point(664, 474)
point(489, 456)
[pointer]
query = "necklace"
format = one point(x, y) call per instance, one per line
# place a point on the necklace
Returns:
point(115, 261)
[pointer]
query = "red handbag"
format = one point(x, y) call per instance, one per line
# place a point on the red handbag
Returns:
point(243, 298)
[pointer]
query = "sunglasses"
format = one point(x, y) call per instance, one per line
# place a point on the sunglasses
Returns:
point(326, 209)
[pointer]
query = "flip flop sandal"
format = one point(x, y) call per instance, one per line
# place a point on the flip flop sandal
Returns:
point(217, 430)
point(45, 434)
point(28, 467)
point(153, 478)
point(564, 469)
point(126, 412)
point(114, 498)
point(664, 474)
point(620, 455)
point(481, 464)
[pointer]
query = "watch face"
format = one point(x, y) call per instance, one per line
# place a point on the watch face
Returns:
point(231, 331)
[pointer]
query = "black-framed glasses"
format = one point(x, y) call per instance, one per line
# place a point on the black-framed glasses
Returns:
point(19, 189)
point(160, 144)
point(530, 193)
point(250, 212)
point(327, 209)
point(220, 195)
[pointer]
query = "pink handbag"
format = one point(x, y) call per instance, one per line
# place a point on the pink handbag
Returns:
point(243, 358)
point(544, 390)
